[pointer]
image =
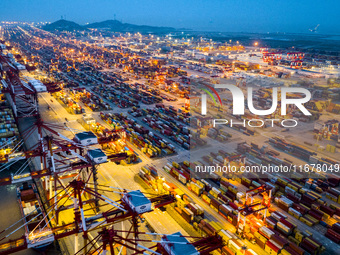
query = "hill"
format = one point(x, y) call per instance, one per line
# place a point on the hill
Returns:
point(111, 25)
point(63, 25)
point(117, 26)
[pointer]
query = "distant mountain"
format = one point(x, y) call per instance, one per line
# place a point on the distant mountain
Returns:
point(63, 25)
point(111, 25)
point(117, 26)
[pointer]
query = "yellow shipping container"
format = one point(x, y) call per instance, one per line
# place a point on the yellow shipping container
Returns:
point(299, 236)
point(311, 218)
point(293, 187)
point(215, 226)
point(225, 235)
point(307, 221)
point(211, 192)
point(260, 237)
point(206, 198)
point(175, 164)
point(238, 179)
point(181, 204)
point(284, 252)
point(270, 250)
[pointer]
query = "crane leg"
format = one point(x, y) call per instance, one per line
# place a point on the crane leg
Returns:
point(95, 182)
point(76, 240)
point(46, 183)
point(85, 245)
point(51, 191)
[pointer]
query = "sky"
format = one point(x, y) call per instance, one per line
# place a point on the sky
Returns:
point(291, 16)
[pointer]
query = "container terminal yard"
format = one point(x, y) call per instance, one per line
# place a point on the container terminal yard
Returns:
point(101, 137)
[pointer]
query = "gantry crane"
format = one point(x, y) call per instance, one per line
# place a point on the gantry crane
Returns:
point(248, 208)
point(124, 209)
point(174, 244)
point(261, 190)
point(23, 97)
point(244, 212)
point(272, 57)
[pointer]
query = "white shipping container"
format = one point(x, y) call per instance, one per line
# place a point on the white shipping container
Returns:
point(216, 191)
point(189, 212)
point(233, 245)
point(270, 222)
point(141, 173)
point(276, 244)
point(225, 235)
point(283, 227)
point(240, 195)
point(228, 208)
point(336, 191)
point(295, 212)
point(289, 190)
point(207, 184)
point(166, 168)
point(281, 215)
point(251, 252)
point(285, 201)
point(267, 231)
point(182, 179)
point(199, 208)
point(276, 216)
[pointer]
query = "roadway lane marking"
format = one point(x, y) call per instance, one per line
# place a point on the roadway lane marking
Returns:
point(104, 178)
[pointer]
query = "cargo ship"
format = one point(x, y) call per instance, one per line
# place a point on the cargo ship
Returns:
point(37, 231)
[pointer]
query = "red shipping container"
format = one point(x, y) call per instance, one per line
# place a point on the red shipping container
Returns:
point(291, 251)
point(225, 199)
point(327, 210)
point(296, 248)
point(233, 205)
point(332, 235)
point(192, 208)
point(308, 246)
point(287, 223)
point(214, 203)
point(234, 221)
point(315, 215)
point(337, 212)
point(260, 243)
point(272, 246)
point(336, 227)
point(300, 208)
point(293, 198)
point(279, 240)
